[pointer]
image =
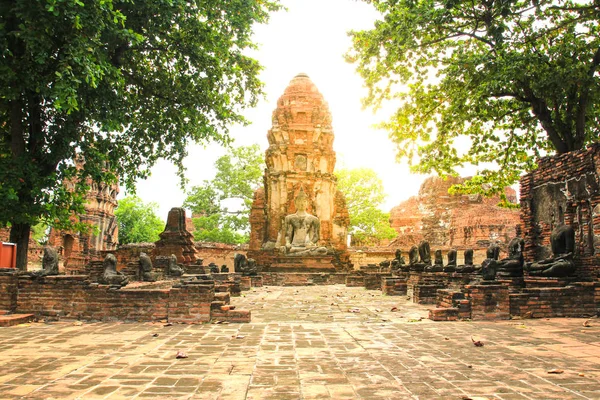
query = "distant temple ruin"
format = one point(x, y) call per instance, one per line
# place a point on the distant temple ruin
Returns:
point(458, 221)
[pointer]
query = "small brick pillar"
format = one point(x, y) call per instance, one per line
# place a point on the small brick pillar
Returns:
point(488, 302)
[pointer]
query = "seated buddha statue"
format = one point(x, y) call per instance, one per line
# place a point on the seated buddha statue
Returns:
point(302, 231)
point(562, 242)
point(512, 266)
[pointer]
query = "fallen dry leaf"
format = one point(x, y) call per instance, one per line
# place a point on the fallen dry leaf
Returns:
point(556, 371)
point(377, 310)
point(77, 323)
point(239, 336)
point(181, 354)
point(354, 310)
point(168, 324)
point(155, 335)
point(587, 323)
point(477, 343)
point(394, 309)
point(581, 374)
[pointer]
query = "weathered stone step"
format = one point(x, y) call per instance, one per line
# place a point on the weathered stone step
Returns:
point(4, 312)
point(443, 314)
point(15, 319)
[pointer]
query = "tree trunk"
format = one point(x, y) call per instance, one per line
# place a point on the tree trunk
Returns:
point(19, 234)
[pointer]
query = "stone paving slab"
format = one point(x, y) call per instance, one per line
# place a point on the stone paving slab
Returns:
point(321, 342)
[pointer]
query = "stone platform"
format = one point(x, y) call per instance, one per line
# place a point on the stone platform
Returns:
point(303, 264)
point(319, 342)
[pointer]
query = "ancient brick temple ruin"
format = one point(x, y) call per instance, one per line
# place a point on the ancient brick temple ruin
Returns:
point(76, 249)
point(454, 221)
point(300, 160)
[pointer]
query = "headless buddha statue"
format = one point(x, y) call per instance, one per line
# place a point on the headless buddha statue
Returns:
point(562, 242)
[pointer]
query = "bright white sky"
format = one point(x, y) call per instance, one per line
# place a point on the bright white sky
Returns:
point(310, 37)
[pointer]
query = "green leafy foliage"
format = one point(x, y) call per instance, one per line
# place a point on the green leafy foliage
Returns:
point(118, 84)
point(138, 221)
point(238, 175)
point(364, 195)
point(494, 84)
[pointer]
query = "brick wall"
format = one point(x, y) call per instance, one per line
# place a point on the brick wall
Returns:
point(393, 286)
point(488, 302)
point(565, 186)
point(575, 300)
point(8, 292)
point(76, 297)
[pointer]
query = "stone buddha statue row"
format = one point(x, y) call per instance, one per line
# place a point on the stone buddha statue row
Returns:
point(420, 260)
point(561, 264)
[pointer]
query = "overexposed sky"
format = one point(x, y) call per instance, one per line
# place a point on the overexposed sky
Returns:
point(310, 37)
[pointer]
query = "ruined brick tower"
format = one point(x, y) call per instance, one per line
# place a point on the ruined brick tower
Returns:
point(300, 156)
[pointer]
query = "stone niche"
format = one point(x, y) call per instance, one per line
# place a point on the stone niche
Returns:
point(300, 157)
point(564, 188)
point(453, 221)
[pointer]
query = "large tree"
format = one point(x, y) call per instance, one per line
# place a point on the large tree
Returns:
point(490, 83)
point(221, 206)
point(116, 84)
point(138, 221)
point(364, 194)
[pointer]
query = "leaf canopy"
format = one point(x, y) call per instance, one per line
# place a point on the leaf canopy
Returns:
point(138, 221)
point(364, 194)
point(494, 84)
point(238, 175)
point(116, 84)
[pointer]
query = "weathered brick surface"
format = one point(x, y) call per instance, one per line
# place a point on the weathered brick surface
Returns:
point(565, 185)
point(422, 286)
point(458, 221)
point(575, 300)
point(393, 286)
point(488, 302)
point(8, 292)
point(373, 281)
point(76, 297)
point(301, 279)
point(355, 281)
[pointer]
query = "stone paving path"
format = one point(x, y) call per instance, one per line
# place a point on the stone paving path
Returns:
point(328, 342)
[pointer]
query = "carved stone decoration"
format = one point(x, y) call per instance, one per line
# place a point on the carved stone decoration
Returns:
point(562, 241)
point(224, 269)
point(111, 276)
point(451, 266)
point(49, 263)
point(300, 157)
point(176, 239)
point(146, 273)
